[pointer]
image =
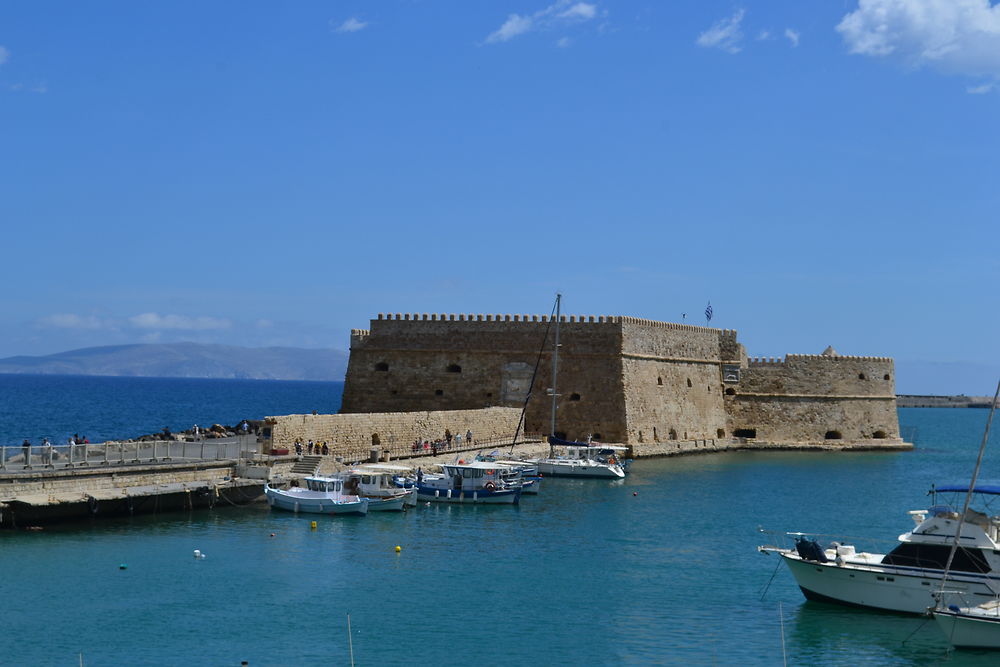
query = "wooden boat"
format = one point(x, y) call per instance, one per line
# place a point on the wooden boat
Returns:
point(321, 495)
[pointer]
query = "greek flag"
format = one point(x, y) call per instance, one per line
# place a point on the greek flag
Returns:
point(708, 312)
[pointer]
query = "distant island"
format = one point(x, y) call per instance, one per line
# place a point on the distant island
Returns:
point(187, 360)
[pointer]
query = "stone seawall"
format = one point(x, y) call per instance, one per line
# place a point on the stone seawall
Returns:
point(684, 447)
point(352, 436)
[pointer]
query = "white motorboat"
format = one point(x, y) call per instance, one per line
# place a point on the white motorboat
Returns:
point(377, 486)
point(321, 495)
point(907, 578)
point(474, 483)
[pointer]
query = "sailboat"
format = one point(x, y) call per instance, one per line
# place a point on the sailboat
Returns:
point(975, 625)
point(581, 459)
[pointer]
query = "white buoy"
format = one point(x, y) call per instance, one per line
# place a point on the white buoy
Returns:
point(199, 554)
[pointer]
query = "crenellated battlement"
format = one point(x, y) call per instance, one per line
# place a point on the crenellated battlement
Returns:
point(531, 319)
point(778, 361)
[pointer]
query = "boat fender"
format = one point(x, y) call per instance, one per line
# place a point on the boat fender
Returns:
point(490, 486)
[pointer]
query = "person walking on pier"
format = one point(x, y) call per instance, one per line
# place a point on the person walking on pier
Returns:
point(26, 447)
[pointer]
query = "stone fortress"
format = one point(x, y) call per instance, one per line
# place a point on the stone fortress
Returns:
point(621, 379)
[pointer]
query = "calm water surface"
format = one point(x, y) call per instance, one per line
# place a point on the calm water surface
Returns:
point(585, 573)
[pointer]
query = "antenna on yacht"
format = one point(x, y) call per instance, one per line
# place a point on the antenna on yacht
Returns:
point(555, 376)
point(968, 495)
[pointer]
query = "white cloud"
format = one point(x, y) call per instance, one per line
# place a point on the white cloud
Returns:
point(953, 36)
point(563, 42)
point(981, 89)
point(560, 12)
point(350, 25)
point(725, 34)
point(71, 321)
point(793, 36)
point(156, 321)
point(4, 55)
point(763, 35)
point(583, 11)
point(40, 88)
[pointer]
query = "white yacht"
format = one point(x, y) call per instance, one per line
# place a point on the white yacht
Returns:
point(971, 627)
point(582, 459)
point(322, 495)
point(907, 578)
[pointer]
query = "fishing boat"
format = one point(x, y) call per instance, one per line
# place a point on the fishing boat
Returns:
point(515, 472)
point(377, 486)
point(472, 483)
point(321, 495)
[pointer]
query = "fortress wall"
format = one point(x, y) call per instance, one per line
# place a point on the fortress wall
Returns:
point(672, 382)
point(820, 375)
point(805, 397)
point(797, 419)
point(351, 435)
point(457, 362)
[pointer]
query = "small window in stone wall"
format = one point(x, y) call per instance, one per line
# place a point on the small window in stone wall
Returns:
point(659, 381)
point(673, 434)
point(689, 382)
point(745, 433)
point(885, 377)
point(710, 389)
point(439, 392)
point(730, 391)
point(861, 376)
point(656, 436)
point(454, 368)
point(879, 435)
point(640, 436)
point(382, 366)
point(574, 397)
point(833, 435)
point(720, 433)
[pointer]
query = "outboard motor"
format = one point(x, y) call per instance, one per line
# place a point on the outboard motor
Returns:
point(810, 550)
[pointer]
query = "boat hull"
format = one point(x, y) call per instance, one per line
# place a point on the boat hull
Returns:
point(569, 469)
point(294, 502)
point(908, 590)
point(969, 631)
point(481, 497)
point(387, 503)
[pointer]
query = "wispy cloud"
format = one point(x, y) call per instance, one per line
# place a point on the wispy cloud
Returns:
point(563, 42)
point(763, 35)
point(981, 89)
point(72, 321)
point(562, 12)
point(157, 321)
point(792, 36)
point(726, 34)
point(953, 36)
point(352, 24)
point(4, 55)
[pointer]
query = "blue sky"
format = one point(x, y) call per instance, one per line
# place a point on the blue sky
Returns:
point(262, 174)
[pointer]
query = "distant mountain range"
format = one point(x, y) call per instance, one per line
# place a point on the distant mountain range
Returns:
point(188, 360)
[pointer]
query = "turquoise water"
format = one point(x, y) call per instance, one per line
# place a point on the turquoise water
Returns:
point(585, 573)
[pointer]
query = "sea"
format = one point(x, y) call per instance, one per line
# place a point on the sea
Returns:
point(659, 568)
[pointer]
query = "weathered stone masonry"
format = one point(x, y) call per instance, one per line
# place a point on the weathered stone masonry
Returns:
point(621, 379)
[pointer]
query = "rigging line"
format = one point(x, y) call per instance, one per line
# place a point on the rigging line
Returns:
point(534, 374)
point(768, 586)
point(968, 495)
point(910, 636)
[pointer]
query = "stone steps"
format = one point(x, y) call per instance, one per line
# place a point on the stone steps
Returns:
point(306, 465)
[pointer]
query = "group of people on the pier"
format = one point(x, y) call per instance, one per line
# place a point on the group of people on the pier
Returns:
point(48, 450)
point(443, 444)
point(312, 448)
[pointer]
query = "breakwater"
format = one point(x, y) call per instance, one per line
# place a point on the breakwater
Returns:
point(926, 401)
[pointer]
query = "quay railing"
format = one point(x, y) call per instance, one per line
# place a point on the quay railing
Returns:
point(39, 458)
point(396, 451)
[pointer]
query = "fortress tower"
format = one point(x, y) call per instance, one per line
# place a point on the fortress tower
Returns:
point(621, 379)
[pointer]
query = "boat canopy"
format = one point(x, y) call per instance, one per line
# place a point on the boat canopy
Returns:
point(989, 488)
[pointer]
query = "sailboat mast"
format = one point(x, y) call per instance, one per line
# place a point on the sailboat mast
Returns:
point(555, 369)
